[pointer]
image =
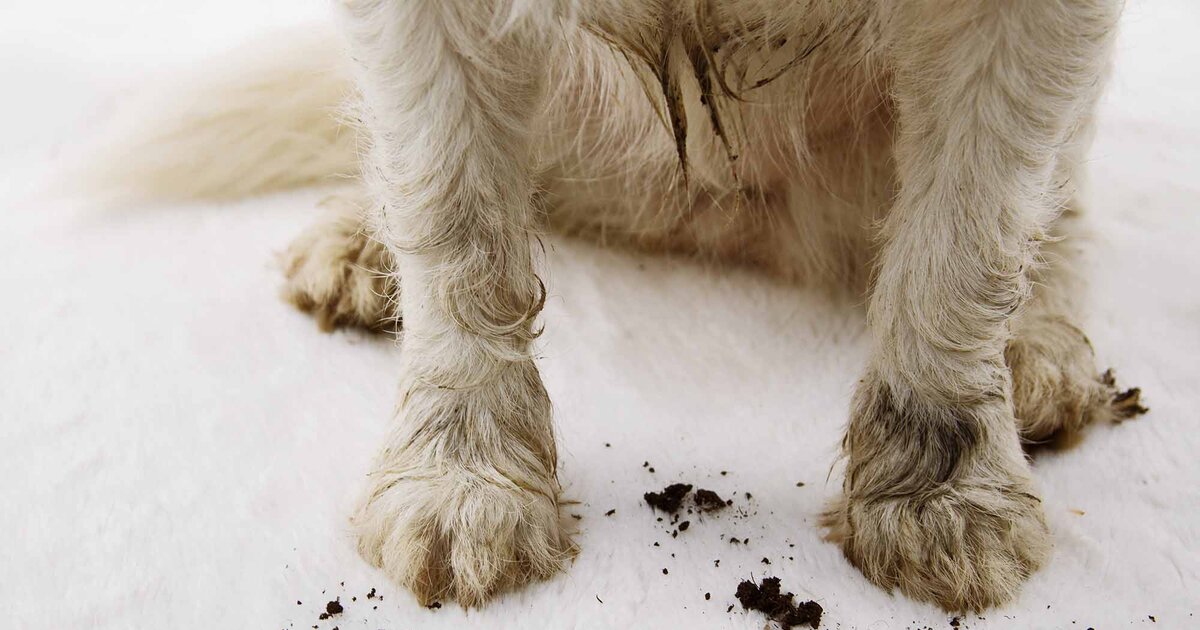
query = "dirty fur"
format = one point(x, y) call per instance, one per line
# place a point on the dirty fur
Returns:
point(337, 271)
point(930, 152)
point(938, 500)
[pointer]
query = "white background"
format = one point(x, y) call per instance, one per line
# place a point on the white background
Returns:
point(179, 448)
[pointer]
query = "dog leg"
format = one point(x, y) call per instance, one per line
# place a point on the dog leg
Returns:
point(938, 498)
point(463, 498)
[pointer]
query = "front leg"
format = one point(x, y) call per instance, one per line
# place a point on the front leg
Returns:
point(463, 499)
point(938, 497)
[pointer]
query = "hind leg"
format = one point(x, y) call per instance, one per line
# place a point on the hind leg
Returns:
point(338, 272)
point(1057, 389)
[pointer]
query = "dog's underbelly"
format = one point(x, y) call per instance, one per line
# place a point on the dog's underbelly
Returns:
point(806, 173)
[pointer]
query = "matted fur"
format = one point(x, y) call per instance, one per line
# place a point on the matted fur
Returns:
point(924, 148)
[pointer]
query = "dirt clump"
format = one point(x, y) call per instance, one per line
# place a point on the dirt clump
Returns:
point(670, 498)
point(779, 607)
point(709, 501)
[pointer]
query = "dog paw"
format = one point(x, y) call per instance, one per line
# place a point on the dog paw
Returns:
point(460, 536)
point(938, 501)
point(340, 275)
point(964, 548)
point(1057, 391)
point(463, 502)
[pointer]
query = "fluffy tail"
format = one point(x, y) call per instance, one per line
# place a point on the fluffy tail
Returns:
point(263, 118)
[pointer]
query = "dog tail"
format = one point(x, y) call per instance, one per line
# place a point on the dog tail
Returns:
point(265, 117)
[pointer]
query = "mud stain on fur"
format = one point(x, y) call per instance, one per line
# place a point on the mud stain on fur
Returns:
point(721, 54)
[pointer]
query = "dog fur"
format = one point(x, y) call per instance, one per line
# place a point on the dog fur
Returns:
point(929, 151)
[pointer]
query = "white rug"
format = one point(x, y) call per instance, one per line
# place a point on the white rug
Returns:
point(179, 448)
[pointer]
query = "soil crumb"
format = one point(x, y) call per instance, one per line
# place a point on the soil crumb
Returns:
point(778, 607)
point(670, 498)
point(709, 501)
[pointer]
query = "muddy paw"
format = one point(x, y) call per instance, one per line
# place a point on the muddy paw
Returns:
point(938, 501)
point(460, 536)
point(463, 502)
point(1057, 390)
point(965, 548)
point(337, 273)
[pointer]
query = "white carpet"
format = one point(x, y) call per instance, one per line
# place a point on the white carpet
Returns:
point(179, 448)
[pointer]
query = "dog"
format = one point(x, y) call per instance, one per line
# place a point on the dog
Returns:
point(929, 152)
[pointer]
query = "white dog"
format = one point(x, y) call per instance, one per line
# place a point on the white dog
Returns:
point(928, 149)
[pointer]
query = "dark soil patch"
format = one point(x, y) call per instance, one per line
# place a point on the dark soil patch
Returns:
point(765, 597)
point(332, 608)
point(709, 501)
point(778, 607)
point(670, 498)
